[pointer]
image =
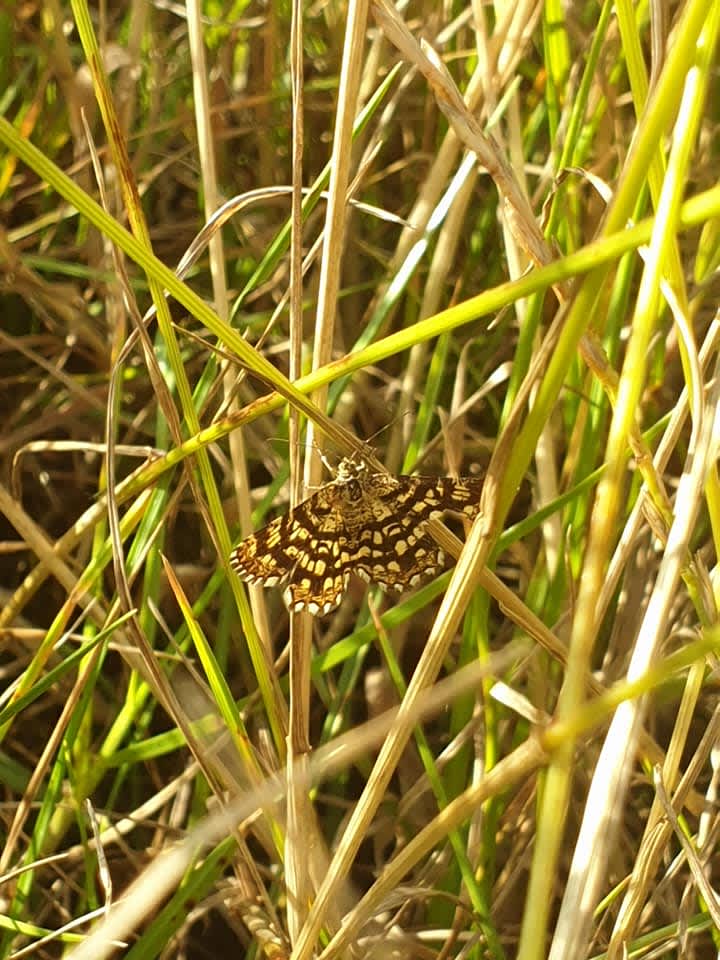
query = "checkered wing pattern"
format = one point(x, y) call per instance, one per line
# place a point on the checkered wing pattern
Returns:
point(368, 523)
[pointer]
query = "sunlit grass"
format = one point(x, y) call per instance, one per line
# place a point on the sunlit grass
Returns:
point(187, 769)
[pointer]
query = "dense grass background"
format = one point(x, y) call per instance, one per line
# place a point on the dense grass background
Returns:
point(492, 252)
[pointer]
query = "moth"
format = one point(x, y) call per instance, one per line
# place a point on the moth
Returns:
point(362, 522)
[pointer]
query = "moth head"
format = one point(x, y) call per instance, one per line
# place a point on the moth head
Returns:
point(350, 476)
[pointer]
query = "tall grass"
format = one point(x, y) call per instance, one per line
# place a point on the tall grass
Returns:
point(241, 242)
